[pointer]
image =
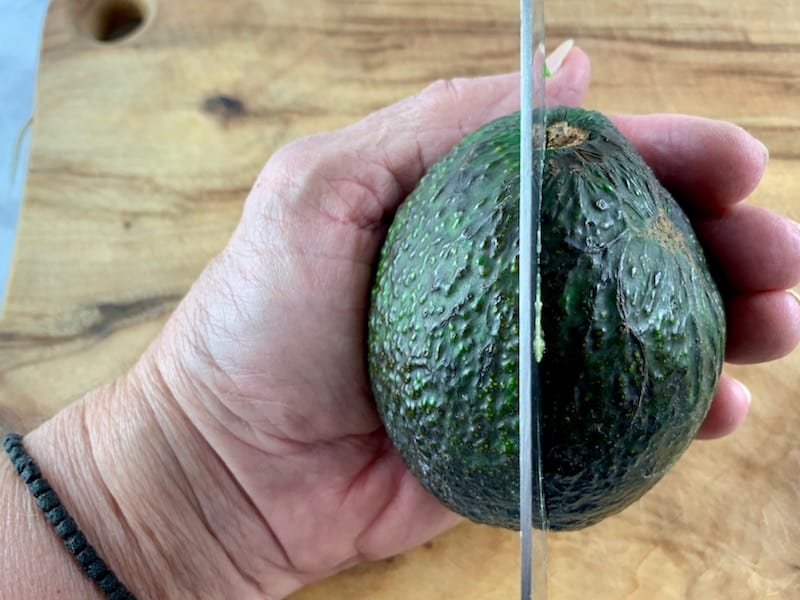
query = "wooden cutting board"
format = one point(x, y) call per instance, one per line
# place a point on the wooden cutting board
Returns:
point(145, 147)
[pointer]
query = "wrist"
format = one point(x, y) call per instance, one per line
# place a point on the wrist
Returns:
point(109, 459)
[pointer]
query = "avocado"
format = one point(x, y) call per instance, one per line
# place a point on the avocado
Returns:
point(633, 324)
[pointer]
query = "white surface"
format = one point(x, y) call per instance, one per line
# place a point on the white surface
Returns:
point(21, 23)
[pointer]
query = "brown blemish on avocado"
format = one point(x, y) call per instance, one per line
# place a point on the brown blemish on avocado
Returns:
point(663, 229)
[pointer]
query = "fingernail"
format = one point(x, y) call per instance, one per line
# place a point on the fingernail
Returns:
point(764, 151)
point(747, 394)
point(558, 55)
point(794, 295)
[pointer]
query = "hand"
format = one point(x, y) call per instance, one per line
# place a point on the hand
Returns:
point(258, 381)
point(273, 372)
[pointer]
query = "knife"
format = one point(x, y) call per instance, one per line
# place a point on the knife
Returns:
point(533, 541)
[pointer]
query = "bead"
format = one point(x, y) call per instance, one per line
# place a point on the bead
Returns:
point(39, 487)
point(66, 528)
point(48, 501)
point(64, 525)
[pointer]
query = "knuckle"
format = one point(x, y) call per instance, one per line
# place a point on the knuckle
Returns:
point(444, 91)
point(278, 186)
point(295, 156)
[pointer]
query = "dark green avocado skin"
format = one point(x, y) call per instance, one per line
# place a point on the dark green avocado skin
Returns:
point(633, 323)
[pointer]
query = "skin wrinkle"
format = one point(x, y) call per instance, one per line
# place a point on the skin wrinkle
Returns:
point(106, 489)
point(277, 543)
point(355, 248)
point(246, 252)
point(385, 515)
point(299, 243)
point(227, 388)
point(363, 443)
point(427, 102)
point(354, 212)
point(384, 163)
point(189, 494)
point(449, 92)
point(155, 535)
point(312, 449)
point(210, 390)
point(257, 235)
point(246, 576)
point(289, 174)
point(236, 393)
point(385, 202)
point(354, 245)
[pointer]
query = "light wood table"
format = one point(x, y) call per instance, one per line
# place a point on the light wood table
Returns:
point(144, 149)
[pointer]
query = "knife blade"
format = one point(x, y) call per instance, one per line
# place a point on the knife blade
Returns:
point(533, 542)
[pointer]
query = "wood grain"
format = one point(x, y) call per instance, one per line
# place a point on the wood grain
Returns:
point(144, 149)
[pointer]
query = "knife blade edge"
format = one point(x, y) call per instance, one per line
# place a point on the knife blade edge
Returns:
point(532, 137)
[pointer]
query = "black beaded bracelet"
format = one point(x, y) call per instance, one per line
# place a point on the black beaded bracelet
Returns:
point(63, 524)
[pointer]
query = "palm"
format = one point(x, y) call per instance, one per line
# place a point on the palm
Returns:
point(316, 412)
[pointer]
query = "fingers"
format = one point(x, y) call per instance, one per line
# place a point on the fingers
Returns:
point(762, 327)
point(728, 409)
point(755, 249)
point(758, 254)
point(358, 175)
point(709, 165)
point(408, 137)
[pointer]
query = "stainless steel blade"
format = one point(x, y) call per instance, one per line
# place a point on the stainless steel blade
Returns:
point(533, 542)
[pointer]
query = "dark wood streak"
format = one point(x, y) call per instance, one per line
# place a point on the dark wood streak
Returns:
point(115, 315)
point(142, 183)
point(642, 36)
point(761, 75)
point(371, 28)
point(24, 349)
point(781, 155)
point(111, 317)
point(784, 146)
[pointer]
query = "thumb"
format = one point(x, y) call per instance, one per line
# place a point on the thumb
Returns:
point(360, 174)
point(414, 133)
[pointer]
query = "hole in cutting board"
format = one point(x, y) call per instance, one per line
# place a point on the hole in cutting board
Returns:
point(115, 20)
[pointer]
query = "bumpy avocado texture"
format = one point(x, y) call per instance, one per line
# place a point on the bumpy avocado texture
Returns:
point(633, 325)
